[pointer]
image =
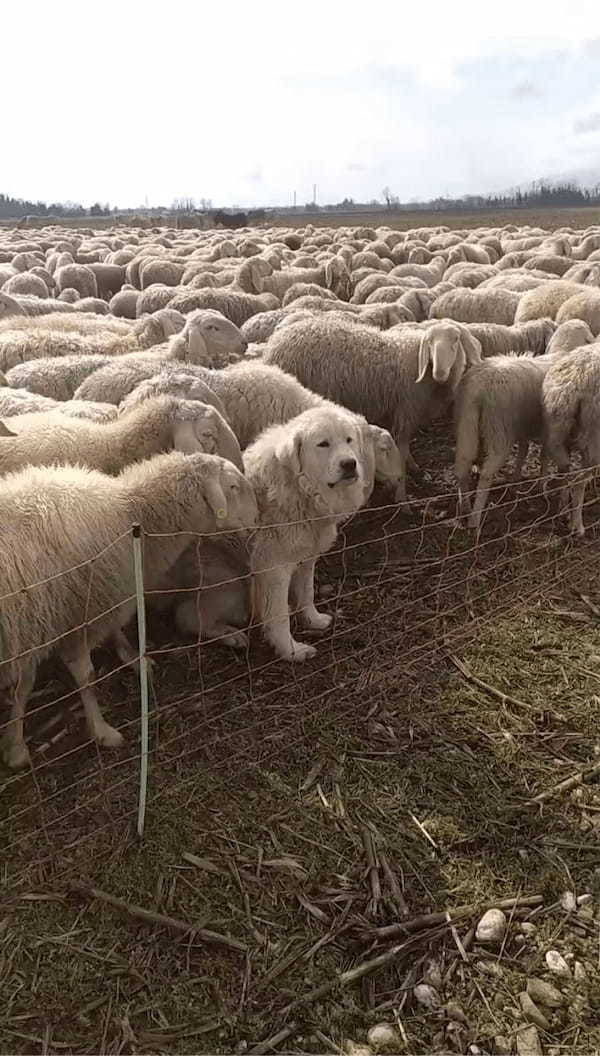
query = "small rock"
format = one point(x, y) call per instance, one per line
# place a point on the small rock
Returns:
point(579, 973)
point(475, 1050)
point(432, 974)
point(383, 1036)
point(326, 591)
point(520, 940)
point(586, 911)
point(455, 1012)
point(532, 1012)
point(568, 901)
point(427, 995)
point(544, 993)
point(557, 964)
point(582, 900)
point(354, 1048)
point(491, 927)
point(490, 968)
point(502, 1045)
point(528, 929)
point(528, 1042)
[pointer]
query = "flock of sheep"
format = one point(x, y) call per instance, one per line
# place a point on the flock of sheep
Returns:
point(249, 389)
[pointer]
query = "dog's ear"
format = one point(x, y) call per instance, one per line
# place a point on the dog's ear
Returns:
point(289, 451)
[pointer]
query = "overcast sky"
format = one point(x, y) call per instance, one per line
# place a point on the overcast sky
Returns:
point(244, 103)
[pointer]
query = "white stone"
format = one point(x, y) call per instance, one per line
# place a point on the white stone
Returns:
point(491, 927)
point(528, 1042)
point(427, 996)
point(383, 1036)
point(544, 993)
point(557, 964)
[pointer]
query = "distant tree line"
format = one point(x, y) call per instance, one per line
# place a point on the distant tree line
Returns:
point(14, 208)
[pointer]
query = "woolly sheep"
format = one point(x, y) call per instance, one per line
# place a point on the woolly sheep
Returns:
point(77, 277)
point(546, 300)
point(56, 376)
point(68, 296)
point(571, 409)
point(124, 304)
point(109, 278)
point(91, 304)
point(498, 340)
point(569, 335)
point(476, 306)
point(383, 375)
point(173, 383)
point(20, 346)
point(161, 424)
point(497, 404)
point(584, 306)
point(155, 297)
point(59, 518)
point(234, 305)
point(154, 329)
point(26, 283)
point(22, 402)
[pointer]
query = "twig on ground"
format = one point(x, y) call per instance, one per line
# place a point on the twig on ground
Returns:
point(271, 1043)
point(580, 778)
point(423, 831)
point(373, 873)
point(159, 919)
point(428, 920)
point(392, 879)
point(590, 604)
point(505, 698)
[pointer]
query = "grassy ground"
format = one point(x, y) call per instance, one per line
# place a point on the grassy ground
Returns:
point(283, 785)
point(549, 219)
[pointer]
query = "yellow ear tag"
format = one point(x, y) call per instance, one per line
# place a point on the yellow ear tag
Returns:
point(221, 514)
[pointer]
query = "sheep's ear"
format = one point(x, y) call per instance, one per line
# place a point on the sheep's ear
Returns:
point(289, 450)
point(5, 431)
point(471, 348)
point(256, 273)
point(381, 438)
point(213, 492)
point(424, 356)
point(195, 345)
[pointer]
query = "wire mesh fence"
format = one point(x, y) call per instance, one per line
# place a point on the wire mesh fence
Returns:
point(406, 586)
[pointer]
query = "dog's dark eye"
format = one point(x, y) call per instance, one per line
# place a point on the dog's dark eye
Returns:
point(348, 439)
point(324, 443)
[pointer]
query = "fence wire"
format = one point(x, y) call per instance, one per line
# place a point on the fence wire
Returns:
point(407, 586)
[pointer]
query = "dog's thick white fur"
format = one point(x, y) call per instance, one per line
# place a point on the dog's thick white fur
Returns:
point(308, 475)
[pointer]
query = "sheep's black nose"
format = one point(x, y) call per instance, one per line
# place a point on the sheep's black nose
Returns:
point(348, 466)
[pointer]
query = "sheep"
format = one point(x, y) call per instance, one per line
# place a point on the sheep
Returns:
point(80, 322)
point(76, 277)
point(430, 273)
point(9, 307)
point(33, 306)
point(497, 404)
point(69, 296)
point(91, 304)
point(26, 283)
point(258, 277)
point(383, 376)
point(155, 297)
point(587, 274)
point(124, 304)
point(584, 306)
point(498, 340)
point(112, 383)
point(569, 335)
point(233, 304)
point(545, 301)
point(25, 404)
point(306, 289)
point(518, 281)
point(214, 602)
point(160, 424)
point(476, 306)
point(57, 376)
point(19, 346)
point(571, 412)
point(154, 329)
point(59, 518)
point(109, 278)
point(173, 383)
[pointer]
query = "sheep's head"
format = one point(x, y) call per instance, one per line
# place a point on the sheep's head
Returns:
point(200, 427)
point(228, 494)
point(210, 339)
point(450, 349)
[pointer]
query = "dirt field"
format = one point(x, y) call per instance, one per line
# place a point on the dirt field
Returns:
point(298, 814)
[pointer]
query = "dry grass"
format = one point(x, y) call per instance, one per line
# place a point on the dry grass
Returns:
point(272, 781)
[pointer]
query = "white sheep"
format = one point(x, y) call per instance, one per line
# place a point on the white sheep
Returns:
point(477, 306)
point(76, 277)
point(76, 519)
point(498, 404)
point(545, 301)
point(235, 305)
point(569, 335)
point(22, 402)
point(571, 410)
point(383, 376)
point(57, 376)
point(498, 340)
point(584, 306)
point(174, 382)
point(156, 425)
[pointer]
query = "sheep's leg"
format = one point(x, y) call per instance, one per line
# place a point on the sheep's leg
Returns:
point(410, 462)
point(462, 472)
point(303, 598)
point(491, 467)
point(578, 494)
point(400, 491)
point(82, 672)
point(522, 450)
point(271, 608)
point(15, 751)
point(125, 651)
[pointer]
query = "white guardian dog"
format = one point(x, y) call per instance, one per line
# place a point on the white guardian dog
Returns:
point(308, 475)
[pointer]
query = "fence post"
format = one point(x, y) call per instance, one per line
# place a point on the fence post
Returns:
point(138, 565)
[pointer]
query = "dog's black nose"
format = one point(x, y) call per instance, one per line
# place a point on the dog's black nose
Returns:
point(348, 466)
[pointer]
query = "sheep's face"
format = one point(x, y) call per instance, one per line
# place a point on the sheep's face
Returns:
point(200, 427)
point(388, 460)
point(213, 340)
point(239, 509)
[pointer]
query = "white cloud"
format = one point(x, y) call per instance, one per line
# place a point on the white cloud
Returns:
point(241, 105)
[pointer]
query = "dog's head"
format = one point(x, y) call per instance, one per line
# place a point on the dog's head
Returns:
point(324, 448)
